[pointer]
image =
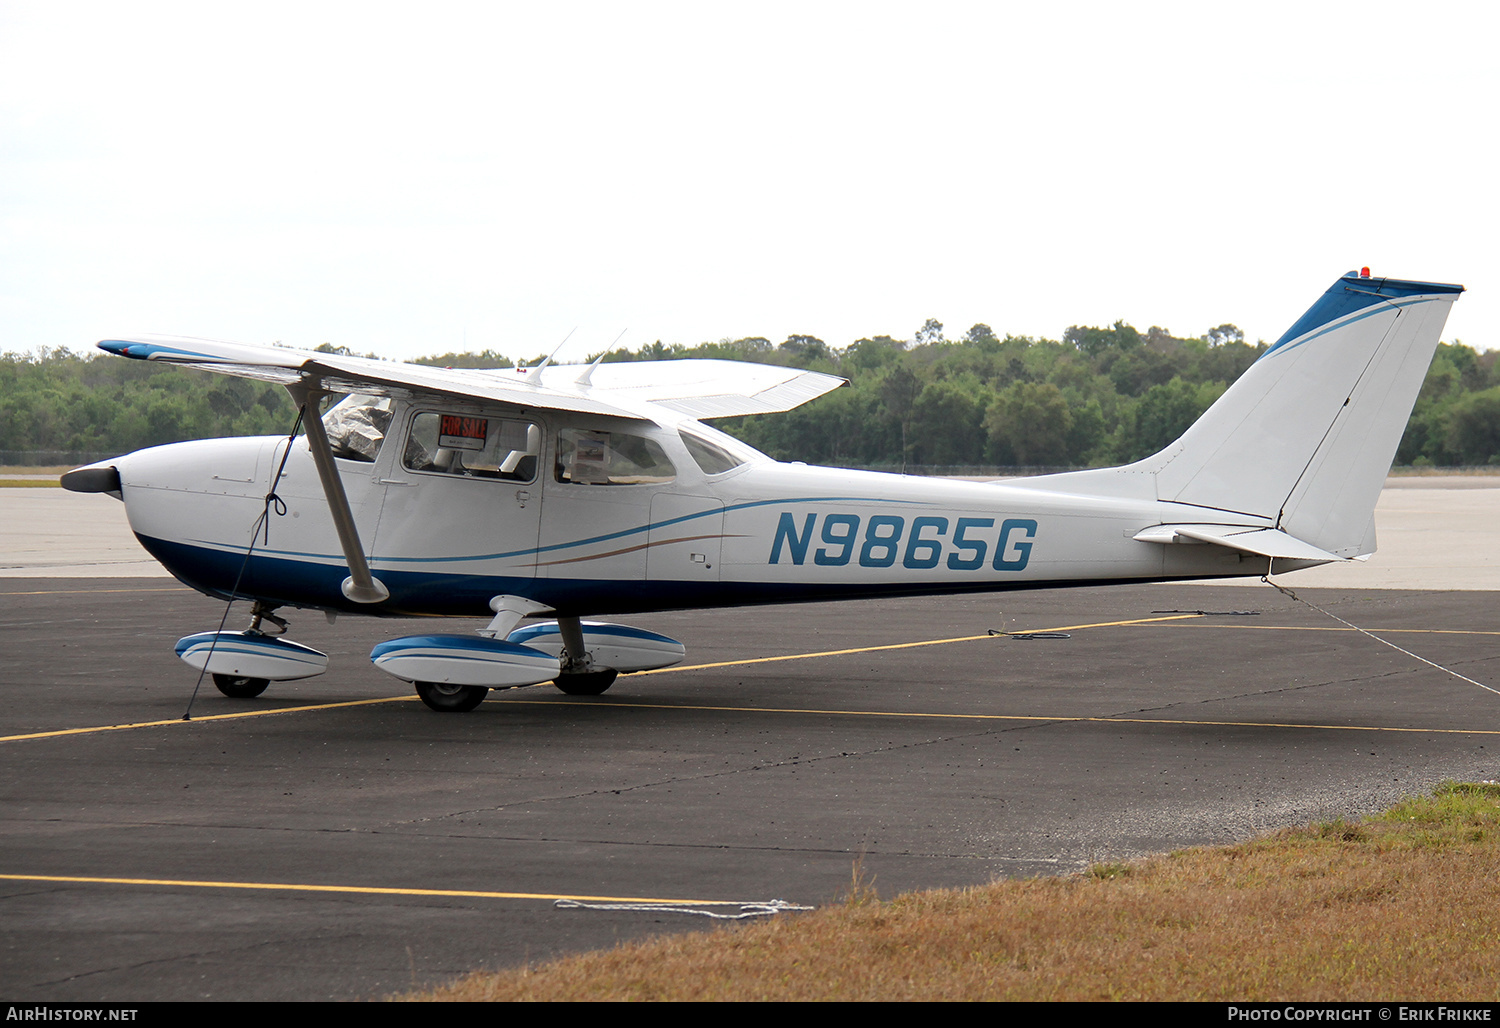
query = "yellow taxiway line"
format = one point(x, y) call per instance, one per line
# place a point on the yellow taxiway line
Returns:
point(361, 889)
point(402, 699)
point(1056, 719)
point(204, 717)
point(95, 592)
point(1334, 628)
point(910, 645)
point(1161, 621)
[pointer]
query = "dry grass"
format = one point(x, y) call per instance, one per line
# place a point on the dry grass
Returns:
point(1405, 905)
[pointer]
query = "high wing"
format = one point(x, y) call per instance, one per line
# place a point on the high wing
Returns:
point(656, 391)
point(646, 391)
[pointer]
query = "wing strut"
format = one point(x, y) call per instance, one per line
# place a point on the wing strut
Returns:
point(360, 586)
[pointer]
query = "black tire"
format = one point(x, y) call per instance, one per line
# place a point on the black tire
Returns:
point(451, 698)
point(590, 683)
point(240, 688)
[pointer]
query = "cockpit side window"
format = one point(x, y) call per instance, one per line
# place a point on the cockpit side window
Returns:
point(474, 446)
point(610, 458)
point(356, 426)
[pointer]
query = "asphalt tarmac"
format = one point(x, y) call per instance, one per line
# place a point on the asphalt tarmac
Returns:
point(293, 846)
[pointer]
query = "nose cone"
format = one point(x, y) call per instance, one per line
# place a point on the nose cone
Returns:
point(93, 478)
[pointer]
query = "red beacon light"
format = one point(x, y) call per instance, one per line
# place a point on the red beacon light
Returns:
point(1364, 272)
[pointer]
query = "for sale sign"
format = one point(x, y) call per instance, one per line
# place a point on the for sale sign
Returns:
point(458, 432)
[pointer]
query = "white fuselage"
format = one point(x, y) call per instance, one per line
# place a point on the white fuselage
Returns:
point(559, 530)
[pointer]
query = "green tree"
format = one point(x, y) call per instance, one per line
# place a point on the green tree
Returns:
point(898, 393)
point(1095, 341)
point(871, 354)
point(1166, 411)
point(1028, 425)
point(1473, 435)
point(482, 359)
point(981, 335)
point(1225, 333)
point(947, 423)
point(930, 333)
point(803, 350)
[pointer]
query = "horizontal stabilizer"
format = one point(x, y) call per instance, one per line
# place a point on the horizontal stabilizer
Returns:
point(1264, 542)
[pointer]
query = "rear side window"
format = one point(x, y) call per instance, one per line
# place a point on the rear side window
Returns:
point(610, 458)
point(475, 446)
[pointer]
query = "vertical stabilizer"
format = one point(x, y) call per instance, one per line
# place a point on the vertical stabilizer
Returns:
point(1306, 436)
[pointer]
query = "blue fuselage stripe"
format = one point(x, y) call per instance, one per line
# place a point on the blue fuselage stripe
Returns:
point(376, 559)
point(279, 581)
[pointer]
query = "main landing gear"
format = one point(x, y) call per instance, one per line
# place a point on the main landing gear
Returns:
point(580, 675)
point(455, 672)
point(451, 698)
point(586, 683)
point(460, 698)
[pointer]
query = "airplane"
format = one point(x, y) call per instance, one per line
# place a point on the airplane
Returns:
point(557, 493)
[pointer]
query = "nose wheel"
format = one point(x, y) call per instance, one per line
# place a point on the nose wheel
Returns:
point(239, 687)
point(244, 663)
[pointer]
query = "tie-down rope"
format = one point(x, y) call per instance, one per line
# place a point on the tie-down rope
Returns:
point(1414, 656)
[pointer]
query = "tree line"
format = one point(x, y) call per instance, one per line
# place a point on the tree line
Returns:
point(1095, 397)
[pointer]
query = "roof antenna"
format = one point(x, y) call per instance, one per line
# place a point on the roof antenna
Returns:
point(588, 372)
point(534, 375)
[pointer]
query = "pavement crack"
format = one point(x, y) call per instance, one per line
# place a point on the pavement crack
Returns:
point(176, 958)
point(725, 847)
point(1287, 689)
point(711, 775)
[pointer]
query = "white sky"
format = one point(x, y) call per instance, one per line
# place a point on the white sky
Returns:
point(416, 178)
